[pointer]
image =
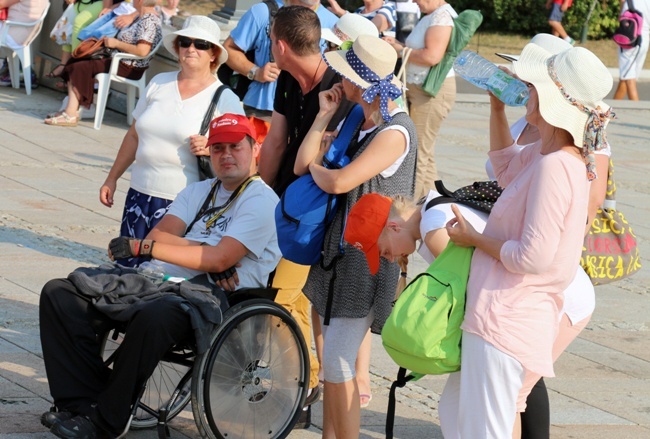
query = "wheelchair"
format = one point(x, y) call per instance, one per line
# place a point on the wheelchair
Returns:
point(251, 382)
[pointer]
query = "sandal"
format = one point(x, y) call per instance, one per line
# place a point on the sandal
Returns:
point(364, 400)
point(56, 75)
point(63, 120)
point(61, 85)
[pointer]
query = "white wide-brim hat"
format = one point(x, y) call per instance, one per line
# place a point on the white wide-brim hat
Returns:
point(372, 52)
point(580, 79)
point(348, 28)
point(197, 27)
point(546, 41)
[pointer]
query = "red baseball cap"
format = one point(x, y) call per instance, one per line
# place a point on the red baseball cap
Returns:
point(230, 128)
point(366, 219)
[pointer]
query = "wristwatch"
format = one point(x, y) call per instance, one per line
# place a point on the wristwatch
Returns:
point(251, 73)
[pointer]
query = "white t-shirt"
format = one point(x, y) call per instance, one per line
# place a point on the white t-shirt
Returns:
point(438, 216)
point(388, 172)
point(443, 16)
point(250, 220)
point(164, 164)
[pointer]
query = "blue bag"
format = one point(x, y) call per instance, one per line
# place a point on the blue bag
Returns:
point(305, 210)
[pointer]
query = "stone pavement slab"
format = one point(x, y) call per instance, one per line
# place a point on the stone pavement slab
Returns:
point(52, 222)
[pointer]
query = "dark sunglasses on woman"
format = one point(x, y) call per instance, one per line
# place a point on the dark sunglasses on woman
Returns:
point(186, 42)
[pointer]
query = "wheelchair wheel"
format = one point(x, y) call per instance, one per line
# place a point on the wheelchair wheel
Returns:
point(253, 380)
point(170, 379)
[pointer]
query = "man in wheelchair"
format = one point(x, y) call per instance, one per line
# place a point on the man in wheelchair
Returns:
point(234, 226)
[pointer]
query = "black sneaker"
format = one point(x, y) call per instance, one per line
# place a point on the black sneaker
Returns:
point(48, 419)
point(304, 421)
point(78, 427)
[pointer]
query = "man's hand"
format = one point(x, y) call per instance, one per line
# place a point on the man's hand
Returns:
point(123, 247)
point(268, 73)
point(227, 280)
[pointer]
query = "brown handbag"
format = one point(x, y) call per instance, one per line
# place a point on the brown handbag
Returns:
point(91, 48)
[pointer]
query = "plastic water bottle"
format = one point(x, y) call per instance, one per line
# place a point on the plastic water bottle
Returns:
point(486, 75)
point(151, 272)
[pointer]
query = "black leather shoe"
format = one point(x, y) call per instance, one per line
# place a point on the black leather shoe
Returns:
point(48, 419)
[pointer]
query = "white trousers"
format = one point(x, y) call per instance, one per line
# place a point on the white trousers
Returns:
point(479, 402)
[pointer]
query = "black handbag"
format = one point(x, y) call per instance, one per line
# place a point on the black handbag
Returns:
point(205, 166)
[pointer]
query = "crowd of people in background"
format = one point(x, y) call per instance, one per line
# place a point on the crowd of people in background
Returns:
point(308, 68)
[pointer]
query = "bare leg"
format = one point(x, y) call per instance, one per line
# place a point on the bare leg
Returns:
point(632, 92)
point(362, 367)
point(621, 90)
point(73, 103)
point(516, 429)
point(557, 29)
point(341, 412)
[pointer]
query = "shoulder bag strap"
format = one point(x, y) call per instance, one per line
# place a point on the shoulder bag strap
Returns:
point(205, 125)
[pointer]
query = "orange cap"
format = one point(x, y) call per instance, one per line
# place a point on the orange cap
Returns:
point(366, 220)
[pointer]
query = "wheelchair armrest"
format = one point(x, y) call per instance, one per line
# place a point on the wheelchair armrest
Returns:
point(243, 294)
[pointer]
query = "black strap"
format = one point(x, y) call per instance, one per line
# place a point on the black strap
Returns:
point(273, 9)
point(401, 381)
point(446, 196)
point(205, 125)
point(203, 211)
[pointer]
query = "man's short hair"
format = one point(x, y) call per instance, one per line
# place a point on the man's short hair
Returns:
point(299, 27)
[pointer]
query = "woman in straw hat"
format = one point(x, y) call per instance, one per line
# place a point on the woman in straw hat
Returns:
point(526, 256)
point(350, 294)
point(163, 142)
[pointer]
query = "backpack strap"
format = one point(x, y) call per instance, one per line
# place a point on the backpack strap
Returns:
point(205, 125)
point(446, 196)
point(347, 138)
point(273, 9)
point(400, 382)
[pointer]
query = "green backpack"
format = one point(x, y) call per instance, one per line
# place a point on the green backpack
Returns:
point(422, 333)
point(465, 26)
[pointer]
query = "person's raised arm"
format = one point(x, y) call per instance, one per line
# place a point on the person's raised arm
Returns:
point(329, 101)
point(273, 148)
point(382, 152)
point(381, 23)
point(500, 136)
point(598, 189)
point(125, 157)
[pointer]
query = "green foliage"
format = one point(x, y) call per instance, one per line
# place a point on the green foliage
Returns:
point(530, 17)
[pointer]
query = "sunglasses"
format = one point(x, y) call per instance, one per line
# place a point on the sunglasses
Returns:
point(186, 42)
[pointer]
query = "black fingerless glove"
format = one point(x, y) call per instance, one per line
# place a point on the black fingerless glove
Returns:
point(123, 247)
point(226, 274)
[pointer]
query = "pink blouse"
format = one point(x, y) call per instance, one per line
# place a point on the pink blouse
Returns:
point(514, 303)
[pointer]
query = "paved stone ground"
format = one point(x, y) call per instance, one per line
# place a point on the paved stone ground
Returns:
point(52, 222)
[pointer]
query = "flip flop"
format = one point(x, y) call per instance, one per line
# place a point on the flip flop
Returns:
point(364, 399)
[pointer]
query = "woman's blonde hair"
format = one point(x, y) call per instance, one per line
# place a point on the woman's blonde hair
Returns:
point(400, 206)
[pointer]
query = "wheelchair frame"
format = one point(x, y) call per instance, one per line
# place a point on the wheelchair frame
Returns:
point(251, 382)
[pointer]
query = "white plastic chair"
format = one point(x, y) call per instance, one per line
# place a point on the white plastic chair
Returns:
point(24, 53)
point(104, 86)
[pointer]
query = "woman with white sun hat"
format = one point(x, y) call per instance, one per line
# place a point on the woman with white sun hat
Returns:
point(526, 256)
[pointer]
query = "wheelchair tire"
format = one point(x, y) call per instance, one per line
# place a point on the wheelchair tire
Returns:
point(169, 379)
point(253, 381)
